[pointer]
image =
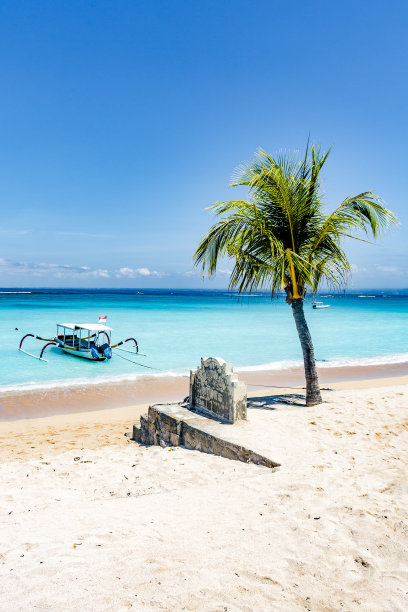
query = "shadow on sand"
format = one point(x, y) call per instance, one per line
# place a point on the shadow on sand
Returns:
point(269, 402)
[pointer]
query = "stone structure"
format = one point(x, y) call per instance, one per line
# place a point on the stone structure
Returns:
point(215, 389)
point(214, 392)
point(176, 425)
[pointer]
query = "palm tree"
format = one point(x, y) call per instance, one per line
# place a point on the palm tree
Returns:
point(281, 237)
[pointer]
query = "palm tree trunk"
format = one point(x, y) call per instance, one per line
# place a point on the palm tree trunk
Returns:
point(313, 396)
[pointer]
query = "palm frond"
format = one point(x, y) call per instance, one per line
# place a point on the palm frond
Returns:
point(363, 212)
point(281, 235)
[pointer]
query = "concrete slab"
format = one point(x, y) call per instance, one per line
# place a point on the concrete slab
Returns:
point(182, 425)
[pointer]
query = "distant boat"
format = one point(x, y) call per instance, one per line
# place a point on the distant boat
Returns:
point(319, 304)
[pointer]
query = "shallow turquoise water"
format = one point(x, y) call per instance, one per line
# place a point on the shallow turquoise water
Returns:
point(177, 328)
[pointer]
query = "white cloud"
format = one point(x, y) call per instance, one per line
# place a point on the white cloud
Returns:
point(389, 269)
point(225, 272)
point(128, 272)
point(100, 273)
point(355, 269)
point(55, 270)
point(135, 272)
point(52, 269)
point(145, 272)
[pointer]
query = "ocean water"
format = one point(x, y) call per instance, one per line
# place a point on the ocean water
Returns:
point(177, 328)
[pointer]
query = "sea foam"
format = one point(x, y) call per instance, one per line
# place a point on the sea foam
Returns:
point(396, 358)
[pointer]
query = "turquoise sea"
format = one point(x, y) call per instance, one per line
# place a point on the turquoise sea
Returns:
point(176, 328)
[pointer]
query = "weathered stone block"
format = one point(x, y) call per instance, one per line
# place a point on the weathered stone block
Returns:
point(176, 425)
point(215, 388)
point(174, 439)
point(137, 434)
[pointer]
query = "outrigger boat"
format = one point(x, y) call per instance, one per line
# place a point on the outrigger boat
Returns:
point(86, 340)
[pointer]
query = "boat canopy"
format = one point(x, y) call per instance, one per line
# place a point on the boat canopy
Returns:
point(94, 327)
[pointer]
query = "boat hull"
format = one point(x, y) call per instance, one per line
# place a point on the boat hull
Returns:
point(83, 354)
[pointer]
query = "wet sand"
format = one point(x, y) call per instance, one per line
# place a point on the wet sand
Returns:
point(65, 400)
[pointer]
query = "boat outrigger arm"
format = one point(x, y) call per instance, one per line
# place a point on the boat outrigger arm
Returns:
point(51, 342)
point(87, 340)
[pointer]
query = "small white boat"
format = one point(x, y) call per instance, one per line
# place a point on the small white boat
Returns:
point(320, 305)
point(86, 340)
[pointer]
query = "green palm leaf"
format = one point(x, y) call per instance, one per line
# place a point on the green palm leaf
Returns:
point(283, 228)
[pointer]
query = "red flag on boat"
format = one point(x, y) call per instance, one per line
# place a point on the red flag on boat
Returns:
point(103, 319)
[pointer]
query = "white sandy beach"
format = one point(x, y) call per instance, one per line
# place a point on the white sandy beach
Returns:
point(92, 521)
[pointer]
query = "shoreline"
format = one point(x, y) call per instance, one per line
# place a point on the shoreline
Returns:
point(32, 438)
point(30, 404)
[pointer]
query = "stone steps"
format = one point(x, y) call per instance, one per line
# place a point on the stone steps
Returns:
point(182, 425)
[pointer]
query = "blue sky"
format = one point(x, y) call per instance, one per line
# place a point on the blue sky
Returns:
point(122, 120)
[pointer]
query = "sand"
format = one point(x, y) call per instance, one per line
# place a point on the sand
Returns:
point(90, 520)
point(70, 399)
